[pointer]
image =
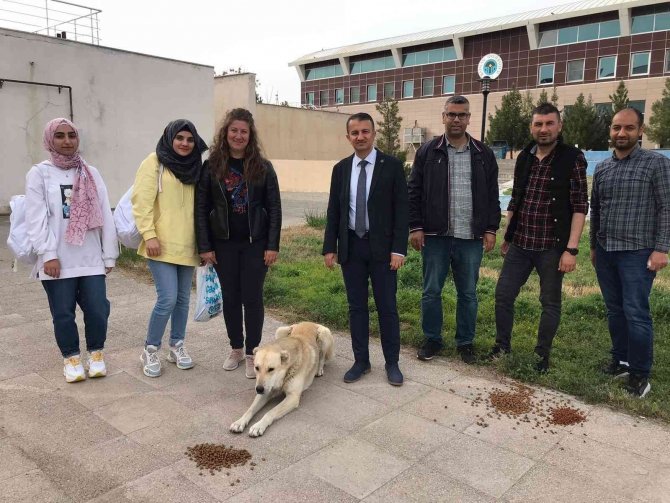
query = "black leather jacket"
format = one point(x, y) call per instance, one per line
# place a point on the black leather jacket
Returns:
point(211, 210)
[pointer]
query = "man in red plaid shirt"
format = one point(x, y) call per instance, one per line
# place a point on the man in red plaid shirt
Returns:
point(545, 221)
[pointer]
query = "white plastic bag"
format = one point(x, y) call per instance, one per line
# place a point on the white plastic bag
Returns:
point(126, 230)
point(208, 301)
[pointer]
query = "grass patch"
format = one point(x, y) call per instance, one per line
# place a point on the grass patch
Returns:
point(299, 287)
point(315, 219)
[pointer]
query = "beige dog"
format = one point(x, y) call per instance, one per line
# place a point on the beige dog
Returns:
point(287, 365)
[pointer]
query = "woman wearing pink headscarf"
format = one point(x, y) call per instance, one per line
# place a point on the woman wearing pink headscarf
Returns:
point(71, 228)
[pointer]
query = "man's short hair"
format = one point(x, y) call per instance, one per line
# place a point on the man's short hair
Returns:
point(640, 118)
point(360, 116)
point(457, 99)
point(546, 109)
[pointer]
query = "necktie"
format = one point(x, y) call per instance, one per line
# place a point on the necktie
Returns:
point(361, 201)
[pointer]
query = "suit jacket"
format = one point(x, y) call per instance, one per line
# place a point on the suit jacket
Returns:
point(387, 209)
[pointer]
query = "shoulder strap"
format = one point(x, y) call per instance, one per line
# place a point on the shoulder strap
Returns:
point(160, 177)
point(45, 179)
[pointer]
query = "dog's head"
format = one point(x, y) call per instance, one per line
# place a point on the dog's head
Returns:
point(271, 364)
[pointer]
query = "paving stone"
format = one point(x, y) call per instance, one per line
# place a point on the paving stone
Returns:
point(447, 408)
point(208, 387)
point(12, 366)
point(13, 460)
point(406, 435)
point(483, 466)
point(341, 407)
point(294, 484)
point(544, 483)
point(621, 471)
point(33, 487)
point(376, 386)
point(11, 320)
point(161, 486)
point(355, 466)
point(419, 484)
point(137, 412)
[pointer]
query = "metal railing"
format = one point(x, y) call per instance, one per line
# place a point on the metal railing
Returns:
point(55, 18)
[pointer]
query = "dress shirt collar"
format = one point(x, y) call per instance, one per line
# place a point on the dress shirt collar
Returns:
point(371, 158)
point(633, 153)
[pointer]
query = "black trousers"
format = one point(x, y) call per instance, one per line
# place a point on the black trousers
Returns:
point(241, 269)
point(358, 268)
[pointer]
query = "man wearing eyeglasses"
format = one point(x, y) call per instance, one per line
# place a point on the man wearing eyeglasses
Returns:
point(454, 213)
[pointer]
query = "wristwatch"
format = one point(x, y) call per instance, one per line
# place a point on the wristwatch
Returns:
point(572, 251)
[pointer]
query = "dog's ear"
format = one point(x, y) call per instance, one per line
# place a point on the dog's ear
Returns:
point(283, 332)
point(256, 349)
point(284, 356)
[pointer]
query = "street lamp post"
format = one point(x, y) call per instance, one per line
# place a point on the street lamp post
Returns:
point(486, 89)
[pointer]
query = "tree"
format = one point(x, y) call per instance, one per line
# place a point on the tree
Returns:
point(510, 122)
point(583, 126)
point(658, 129)
point(388, 129)
point(259, 98)
point(620, 98)
point(544, 97)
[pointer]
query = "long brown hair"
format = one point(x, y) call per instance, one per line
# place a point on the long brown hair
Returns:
point(219, 152)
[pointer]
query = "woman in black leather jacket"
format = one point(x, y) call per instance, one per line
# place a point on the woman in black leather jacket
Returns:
point(238, 224)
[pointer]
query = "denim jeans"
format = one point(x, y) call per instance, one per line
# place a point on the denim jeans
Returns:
point(90, 292)
point(516, 269)
point(173, 289)
point(625, 283)
point(464, 256)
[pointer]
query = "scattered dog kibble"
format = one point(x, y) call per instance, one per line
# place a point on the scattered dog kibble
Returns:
point(214, 457)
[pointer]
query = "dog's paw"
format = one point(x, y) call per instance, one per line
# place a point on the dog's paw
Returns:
point(319, 373)
point(257, 429)
point(238, 426)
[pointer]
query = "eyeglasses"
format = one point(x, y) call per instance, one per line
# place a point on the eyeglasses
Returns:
point(461, 116)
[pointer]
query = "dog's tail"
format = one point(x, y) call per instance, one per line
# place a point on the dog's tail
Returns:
point(325, 340)
point(283, 332)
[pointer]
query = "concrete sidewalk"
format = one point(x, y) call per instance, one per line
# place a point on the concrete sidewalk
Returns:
point(122, 438)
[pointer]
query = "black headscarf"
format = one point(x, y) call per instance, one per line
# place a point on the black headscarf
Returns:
point(185, 168)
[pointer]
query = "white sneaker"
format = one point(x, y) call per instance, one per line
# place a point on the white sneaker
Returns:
point(234, 359)
point(152, 364)
point(96, 364)
point(73, 369)
point(178, 355)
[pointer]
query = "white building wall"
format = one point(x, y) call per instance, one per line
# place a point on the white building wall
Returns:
point(122, 101)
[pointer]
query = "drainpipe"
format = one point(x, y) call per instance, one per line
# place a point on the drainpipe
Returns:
point(58, 86)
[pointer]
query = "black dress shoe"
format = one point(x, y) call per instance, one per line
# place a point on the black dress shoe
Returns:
point(467, 353)
point(393, 374)
point(356, 371)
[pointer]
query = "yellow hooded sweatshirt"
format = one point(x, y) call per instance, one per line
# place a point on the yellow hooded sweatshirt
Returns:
point(166, 215)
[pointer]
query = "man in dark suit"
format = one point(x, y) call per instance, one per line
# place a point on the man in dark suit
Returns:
point(366, 232)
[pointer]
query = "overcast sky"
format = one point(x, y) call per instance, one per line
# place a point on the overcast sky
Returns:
point(263, 36)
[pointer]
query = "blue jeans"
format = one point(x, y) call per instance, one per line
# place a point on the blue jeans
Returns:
point(173, 289)
point(517, 267)
point(625, 283)
point(464, 256)
point(90, 292)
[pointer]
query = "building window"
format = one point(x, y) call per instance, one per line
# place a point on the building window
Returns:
point(546, 74)
point(639, 63)
point(638, 105)
point(323, 71)
point(408, 89)
point(323, 98)
point(339, 96)
point(650, 22)
point(575, 71)
point(667, 61)
point(412, 57)
point(372, 92)
point(582, 33)
point(449, 84)
point(427, 87)
point(372, 65)
point(355, 95)
point(607, 67)
point(603, 109)
point(389, 91)
point(309, 98)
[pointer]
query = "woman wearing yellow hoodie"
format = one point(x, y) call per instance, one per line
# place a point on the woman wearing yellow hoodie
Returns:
point(163, 201)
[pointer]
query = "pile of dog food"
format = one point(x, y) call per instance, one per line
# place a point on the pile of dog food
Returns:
point(215, 457)
point(518, 403)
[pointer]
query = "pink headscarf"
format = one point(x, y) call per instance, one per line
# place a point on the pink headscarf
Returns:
point(85, 210)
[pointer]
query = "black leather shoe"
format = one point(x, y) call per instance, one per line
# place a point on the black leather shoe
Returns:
point(542, 366)
point(467, 353)
point(393, 374)
point(356, 371)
